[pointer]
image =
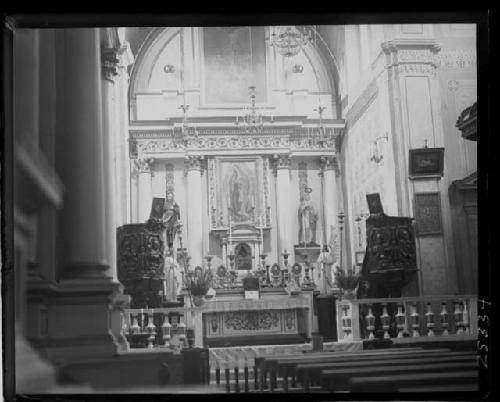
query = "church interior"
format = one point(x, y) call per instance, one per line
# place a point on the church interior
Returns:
point(244, 209)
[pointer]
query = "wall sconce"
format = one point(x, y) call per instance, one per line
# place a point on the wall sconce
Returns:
point(377, 156)
point(298, 68)
point(169, 69)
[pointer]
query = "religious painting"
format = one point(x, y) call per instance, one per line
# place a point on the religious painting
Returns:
point(234, 59)
point(238, 191)
point(157, 208)
point(426, 162)
point(428, 214)
point(374, 203)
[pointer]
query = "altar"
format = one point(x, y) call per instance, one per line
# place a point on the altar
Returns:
point(274, 318)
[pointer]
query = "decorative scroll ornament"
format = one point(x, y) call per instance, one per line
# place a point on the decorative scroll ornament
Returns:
point(329, 163)
point(282, 161)
point(110, 62)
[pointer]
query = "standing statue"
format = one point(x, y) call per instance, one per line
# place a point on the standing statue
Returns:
point(326, 261)
point(171, 217)
point(308, 218)
point(173, 279)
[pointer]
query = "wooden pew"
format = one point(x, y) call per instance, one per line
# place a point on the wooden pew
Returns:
point(307, 371)
point(263, 363)
point(273, 365)
point(338, 380)
point(283, 365)
point(394, 383)
point(442, 388)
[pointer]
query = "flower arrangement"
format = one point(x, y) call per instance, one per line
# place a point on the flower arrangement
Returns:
point(346, 281)
point(199, 282)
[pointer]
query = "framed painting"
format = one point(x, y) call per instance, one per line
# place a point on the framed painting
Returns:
point(374, 203)
point(425, 162)
point(427, 209)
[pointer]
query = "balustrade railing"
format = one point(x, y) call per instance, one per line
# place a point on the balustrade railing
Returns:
point(426, 316)
point(157, 328)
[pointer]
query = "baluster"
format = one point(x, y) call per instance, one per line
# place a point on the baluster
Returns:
point(444, 319)
point(458, 318)
point(255, 373)
point(236, 384)
point(429, 316)
point(386, 320)
point(370, 322)
point(151, 329)
point(228, 384)
point(166, 331)
point(181, 331)
point(400, 320)
point(135, 328)
point(465, 318)
point(346, 322)
point(246, 378)
point(415, 322)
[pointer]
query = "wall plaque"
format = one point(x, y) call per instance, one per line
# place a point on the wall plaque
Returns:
point(426, 162)
point(427, 210)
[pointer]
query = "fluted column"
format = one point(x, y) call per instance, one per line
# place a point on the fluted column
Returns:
point(284, 214)
point(144, 196)
point(84, 239)
point(195, 208)
point(109, 71)
point(329, 170)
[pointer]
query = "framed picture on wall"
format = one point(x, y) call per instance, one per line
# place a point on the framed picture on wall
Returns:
point(426, 162)
point(427, 209)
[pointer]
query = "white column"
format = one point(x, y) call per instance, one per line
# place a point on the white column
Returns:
point(194, 211)
point(331, 195)
point(84, 220)
point(144, 196)
point(284, 214)
point(109, 72)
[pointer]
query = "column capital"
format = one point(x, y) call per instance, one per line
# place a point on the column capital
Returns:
point(193, 162)
point(143, 165)
point(329, 163)
point(109, 63)
point(282, 161)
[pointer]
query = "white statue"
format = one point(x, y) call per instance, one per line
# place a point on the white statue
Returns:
point(173, 278)
point(326, 262)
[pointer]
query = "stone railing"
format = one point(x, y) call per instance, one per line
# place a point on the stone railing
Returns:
point(158, 328)
point(426, 316)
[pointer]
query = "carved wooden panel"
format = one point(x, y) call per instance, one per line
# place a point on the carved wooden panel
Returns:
point(428, 214)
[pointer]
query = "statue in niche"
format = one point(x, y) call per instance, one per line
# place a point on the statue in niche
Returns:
point(308, 218)
point(240, 206)
point(173, 278)
point(171, 217)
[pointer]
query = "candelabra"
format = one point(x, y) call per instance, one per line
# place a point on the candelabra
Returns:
point(341, 217)
point(186, 129)
point(252, 121)
point(288, 41)
point(284, 272)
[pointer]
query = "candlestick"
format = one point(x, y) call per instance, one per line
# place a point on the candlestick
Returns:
point(262, 232)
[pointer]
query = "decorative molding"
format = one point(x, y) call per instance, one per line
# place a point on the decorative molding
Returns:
point(328, 163)
point(143, 165)
point(457, 58)
point(265, 166)
point(362, 103)
point(194, 162)
point(410, 56)
point(109, 63)
point(132, 148)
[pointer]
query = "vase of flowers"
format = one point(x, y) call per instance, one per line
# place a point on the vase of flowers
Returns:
point(198, 283)
point(347, 282)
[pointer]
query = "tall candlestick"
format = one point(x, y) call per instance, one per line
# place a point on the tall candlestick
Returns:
point(230, 236)
point(262, 232)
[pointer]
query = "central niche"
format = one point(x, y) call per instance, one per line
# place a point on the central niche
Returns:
point(243, 257)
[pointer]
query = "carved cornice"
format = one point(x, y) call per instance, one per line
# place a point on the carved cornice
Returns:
point(193, 162)
point(412, 56)
point(109, 63)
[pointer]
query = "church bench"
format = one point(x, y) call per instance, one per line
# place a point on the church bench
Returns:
point(393, 383)
point(263, 363)
point(306, 371)
point(442, 388)
point(338, 379)
point(275, 365)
